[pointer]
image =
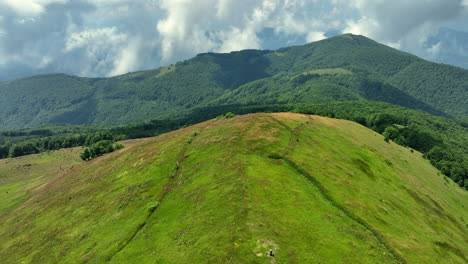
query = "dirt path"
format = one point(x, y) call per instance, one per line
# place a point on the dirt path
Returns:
point(181, 156)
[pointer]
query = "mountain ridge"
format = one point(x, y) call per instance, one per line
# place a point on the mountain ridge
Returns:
point(202, 80)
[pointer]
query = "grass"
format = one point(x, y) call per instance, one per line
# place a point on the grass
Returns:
point(165, 70)
point(21, 177)
point(311, 189)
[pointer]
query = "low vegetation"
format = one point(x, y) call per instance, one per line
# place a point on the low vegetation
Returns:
point(99, 148)
point(241, 191)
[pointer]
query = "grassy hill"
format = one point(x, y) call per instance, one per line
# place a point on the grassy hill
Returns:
point(341, 68)
point(309, 188)
point(20, 178)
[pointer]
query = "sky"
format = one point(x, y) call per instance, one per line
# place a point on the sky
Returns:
point(100, 38)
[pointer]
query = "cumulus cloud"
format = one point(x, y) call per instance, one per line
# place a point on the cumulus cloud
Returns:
point(29, 8)
point(93, 37)
point(315, 36)
point(110, 37)
point(401, 23)
point(189, 27)
point(82, 37)
point(128, 58)
point(101, 46)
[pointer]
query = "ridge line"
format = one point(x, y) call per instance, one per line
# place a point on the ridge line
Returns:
point(322, 190)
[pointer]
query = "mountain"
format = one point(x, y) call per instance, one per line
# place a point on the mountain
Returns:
point(342, 68)
point(309, 189)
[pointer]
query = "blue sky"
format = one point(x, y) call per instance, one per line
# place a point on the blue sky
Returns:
point(110, 37)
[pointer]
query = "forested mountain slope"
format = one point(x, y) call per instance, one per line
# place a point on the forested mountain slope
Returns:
point(346, 67)
point(308, 189)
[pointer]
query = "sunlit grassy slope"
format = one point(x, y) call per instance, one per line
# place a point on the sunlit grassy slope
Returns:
point(309, 188)
point(22, 177)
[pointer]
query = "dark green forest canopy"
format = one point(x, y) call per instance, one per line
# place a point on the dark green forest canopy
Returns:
point(341, 68)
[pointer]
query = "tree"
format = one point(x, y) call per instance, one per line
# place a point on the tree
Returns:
point(85, 155)
point(391, 133)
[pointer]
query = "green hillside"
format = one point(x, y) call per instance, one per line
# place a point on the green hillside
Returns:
point(20, 178)
point(310, 189)
point(341, 68)
point(443, 141)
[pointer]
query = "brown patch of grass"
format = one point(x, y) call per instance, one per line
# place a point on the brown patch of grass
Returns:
point(364, 167)
point(448, 247)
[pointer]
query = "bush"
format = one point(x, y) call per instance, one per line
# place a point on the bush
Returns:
point(86, 154)
point(98, 149)
point(152, 206)
point(225, 116)
point(22, 149)
point(229, 115)
point(390, 133)
point(118, 146)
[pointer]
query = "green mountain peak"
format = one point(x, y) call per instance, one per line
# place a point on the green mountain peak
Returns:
point(380, 73)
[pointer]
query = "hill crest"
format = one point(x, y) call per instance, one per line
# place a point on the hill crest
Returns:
point(232, 190)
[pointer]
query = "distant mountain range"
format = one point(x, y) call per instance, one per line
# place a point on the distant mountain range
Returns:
point(341, 68)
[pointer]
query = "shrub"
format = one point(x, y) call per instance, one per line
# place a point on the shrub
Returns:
point(276, 156)
point(152, 206)
point(99, 148)
point(118, 146)
point(229, 115)
point(225, 116)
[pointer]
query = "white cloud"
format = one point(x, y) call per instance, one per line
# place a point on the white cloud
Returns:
point(26, 8)
point(290, 25)
point(188, 28)
point(392, 20)
point(29, 7)
point(128, 59)
point(109, 49)
point(237, 39)
point(235, 24)
point(94, 37)
point(44, 62)
point(184, 23)
point(246, 38)
point(224, 8)
point(364, 26)
point(107, 37)
point(403, 24)
point(315, 36)
point(434, 49)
